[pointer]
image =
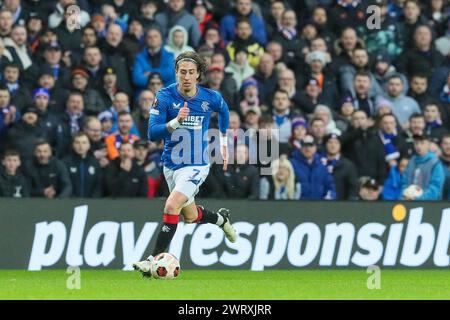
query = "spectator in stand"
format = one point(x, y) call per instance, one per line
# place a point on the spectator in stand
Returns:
point(434, 128)
point(283, 115)
point(93, 63)
point(72, 119)
point(152, 170)
point(13, 183)
point(281, 185)
point(348, 13)
point(177, 41)
point(316, 61)
point(416, 128)
point(370, 189)
point(323, 112)
point(243, 9)
point(251, 118)
point(91, 97)
point(68, 33)
point(19, 94)
point(346, 109)
point(57, 16)
point(423, 57)
point(315, 180)
point(155, 82)
point(121, 103)
point(318, 130)
point(17, 47)
point(392, 188)
point(402, 106)
point(383, 70)
point(409, 22)
point(176, 14)
point(249, 90)
point(8, 113)
point(134, 38)
point(385, 38)
point(92, 127)
point(363, 147)
point(142, 112)
point(6, 23)
point(240, 67)
point(24, 134)
point(393, 142)
point(266, 77)
point(299, 131)
point(288, 36)
point(115, 140)
point(215, 79)
point(363, 100)
point(124, 177)
point(360, 62)
point(48, 176)
point(49, 121)
point(344, 46)
point(288, 82)
point(58, 96)
point(342, 169)
point(153, 58)
point(148, 10)
point(84, 170)
point(445, 161)
point(418, 89)
point(109, 86)
point(241, 181)
point(425, 171)
point(117, 55)
point(244, 40)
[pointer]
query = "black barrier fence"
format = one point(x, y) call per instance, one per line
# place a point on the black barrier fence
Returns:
point(39, 234)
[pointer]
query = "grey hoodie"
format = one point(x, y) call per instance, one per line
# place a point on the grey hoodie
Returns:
point(170, 46)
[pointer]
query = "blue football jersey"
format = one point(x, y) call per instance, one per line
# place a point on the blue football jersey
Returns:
point(187, 145)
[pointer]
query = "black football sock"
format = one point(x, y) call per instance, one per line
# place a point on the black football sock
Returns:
point(206, 216)
point(166, 233)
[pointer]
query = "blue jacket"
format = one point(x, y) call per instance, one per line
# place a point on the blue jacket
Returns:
point(142, 64)
point(315, 180)
point(433, 191)
point(228, 28)
point(392, 189)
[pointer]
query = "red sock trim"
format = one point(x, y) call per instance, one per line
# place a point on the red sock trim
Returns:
point(171, 218)
point(200, 215)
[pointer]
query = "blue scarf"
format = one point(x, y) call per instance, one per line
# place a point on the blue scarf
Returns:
point(432, 125)
point(389, 147)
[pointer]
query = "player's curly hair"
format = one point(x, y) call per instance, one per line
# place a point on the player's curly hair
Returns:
point(197, 59)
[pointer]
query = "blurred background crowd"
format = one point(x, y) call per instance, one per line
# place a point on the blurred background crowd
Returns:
point(359, 95)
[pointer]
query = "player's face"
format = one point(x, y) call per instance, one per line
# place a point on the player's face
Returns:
point(187, 75)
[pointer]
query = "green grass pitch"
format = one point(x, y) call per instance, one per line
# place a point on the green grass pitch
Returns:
point(227, 285)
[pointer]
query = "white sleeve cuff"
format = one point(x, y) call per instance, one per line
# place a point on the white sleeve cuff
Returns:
point(174, 124)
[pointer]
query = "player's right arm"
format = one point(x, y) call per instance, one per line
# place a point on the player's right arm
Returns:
point(158, 127)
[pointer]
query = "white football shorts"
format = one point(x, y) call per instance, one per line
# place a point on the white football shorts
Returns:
point(186, 180)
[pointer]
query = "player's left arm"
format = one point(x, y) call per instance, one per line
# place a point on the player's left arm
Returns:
point(224, 119)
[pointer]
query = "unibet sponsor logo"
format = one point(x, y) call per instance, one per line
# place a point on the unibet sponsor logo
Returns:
point(259, 246)
point(193, 122)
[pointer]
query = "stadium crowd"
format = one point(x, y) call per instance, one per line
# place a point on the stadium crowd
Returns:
point(361, 104)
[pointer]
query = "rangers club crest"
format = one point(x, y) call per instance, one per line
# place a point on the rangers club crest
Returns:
point(205, 106)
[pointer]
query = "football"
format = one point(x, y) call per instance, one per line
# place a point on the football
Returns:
point(165, 266)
